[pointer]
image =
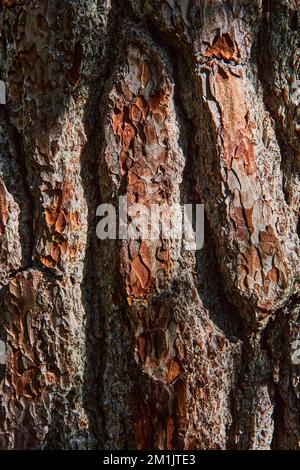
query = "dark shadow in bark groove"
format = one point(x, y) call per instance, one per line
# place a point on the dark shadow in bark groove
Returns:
point(21, 192)
point(97, 269)
point(262, 56)
point(94, 334)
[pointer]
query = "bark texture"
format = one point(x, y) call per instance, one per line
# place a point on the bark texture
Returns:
point(146, 345)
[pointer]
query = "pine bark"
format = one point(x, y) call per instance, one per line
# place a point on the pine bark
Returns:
point(146, 345)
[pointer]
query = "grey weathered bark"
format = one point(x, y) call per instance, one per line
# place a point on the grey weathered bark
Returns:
point(148, 345)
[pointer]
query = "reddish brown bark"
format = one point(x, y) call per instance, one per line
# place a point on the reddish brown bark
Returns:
point(145, 344)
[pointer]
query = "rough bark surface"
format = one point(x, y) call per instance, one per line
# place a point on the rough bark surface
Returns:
point(146, 345)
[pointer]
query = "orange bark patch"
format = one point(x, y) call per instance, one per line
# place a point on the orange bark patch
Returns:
point(174, 370)
point(268, 241)
point(223, 47)
point(248, 215)
point(135, 113)
point(47, 261)
point(141, 139)
point(74, 218)
point(140, 270)
point(61, 222)
point(128, 136)
point(273, 275)
point(117, 122)
point(141, 102)
point(253, 261)
point(146, 253)
point(238, 139)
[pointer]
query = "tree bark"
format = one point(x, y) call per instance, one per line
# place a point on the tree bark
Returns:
point(144, 344)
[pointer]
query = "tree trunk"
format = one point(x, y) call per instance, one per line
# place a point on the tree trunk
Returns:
point(144, 344)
